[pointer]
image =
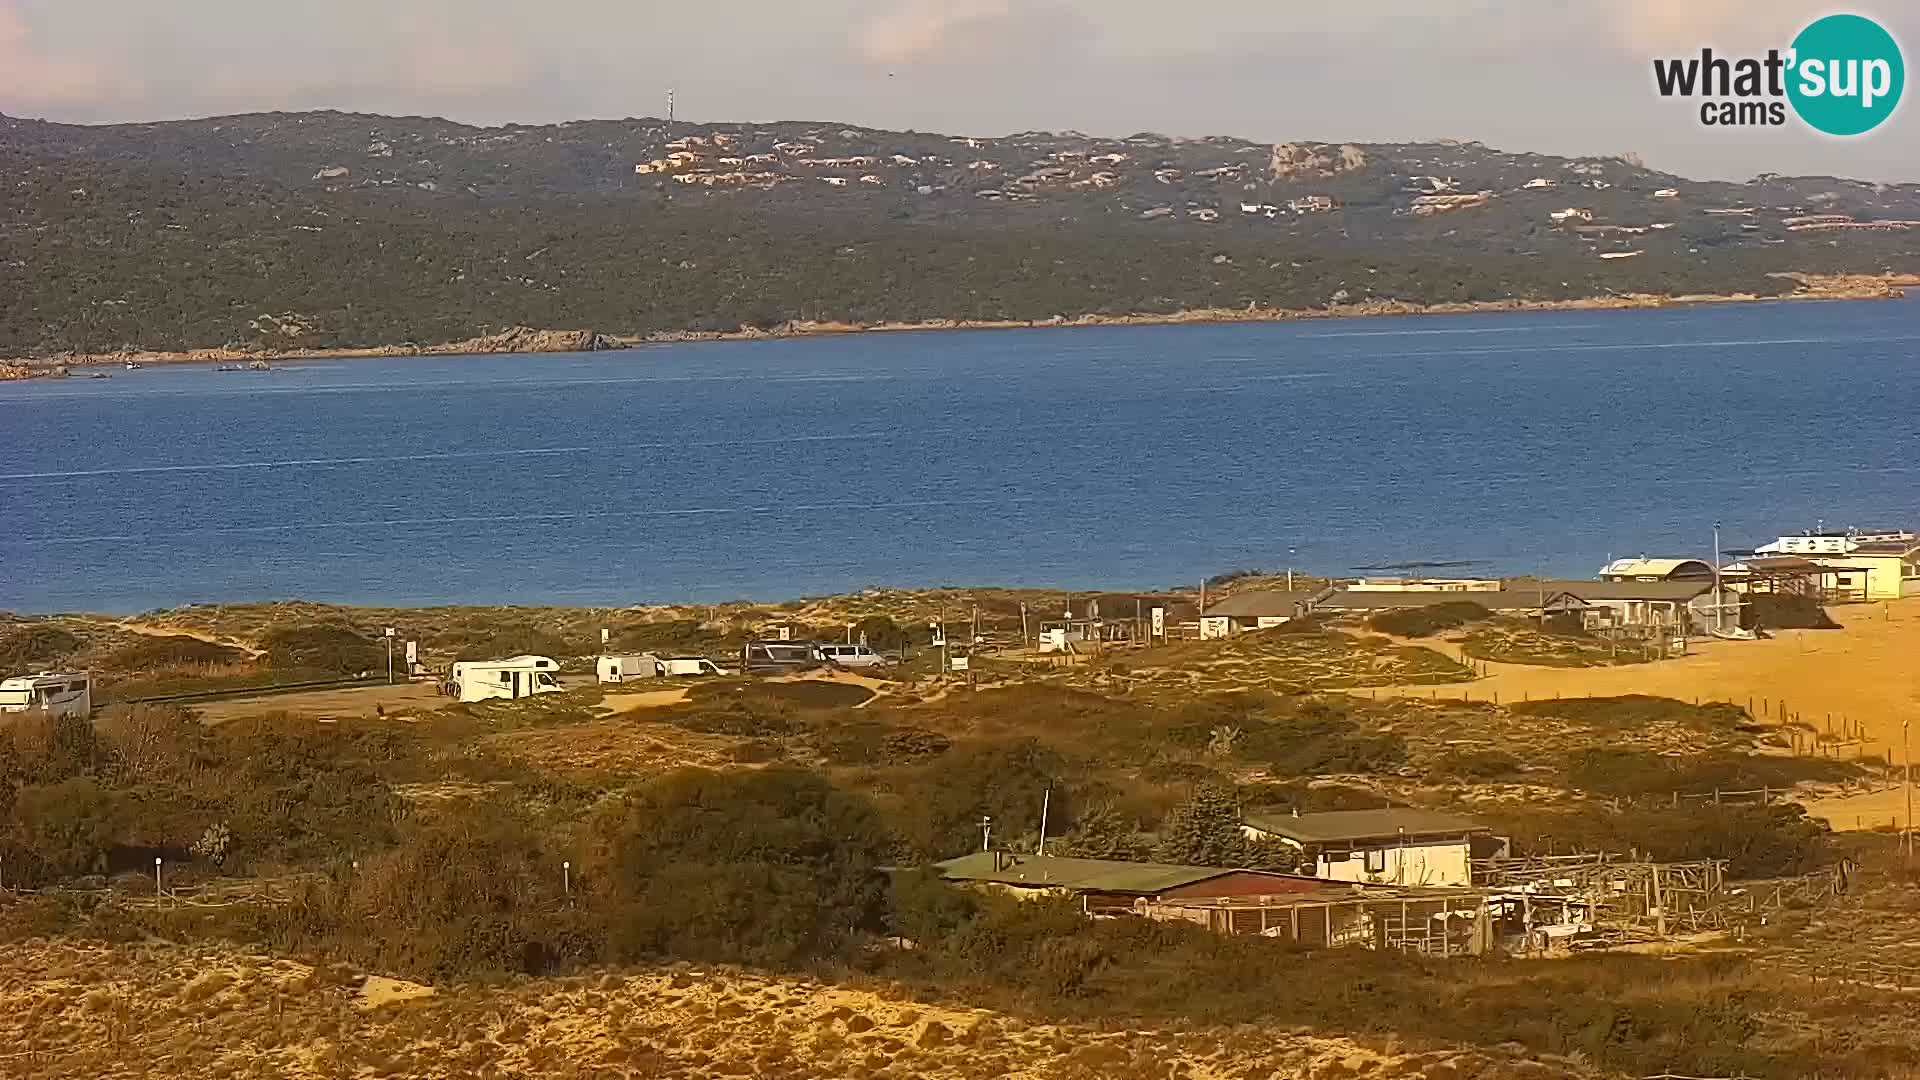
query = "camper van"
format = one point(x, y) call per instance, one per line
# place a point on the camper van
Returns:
point(773, 657)
point(849, 656)
point(617, 669)
point(57, 695)
point(513, 678)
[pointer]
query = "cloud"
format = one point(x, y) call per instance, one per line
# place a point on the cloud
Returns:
point(960, 32)
point(36, 77)
point(1657, 27)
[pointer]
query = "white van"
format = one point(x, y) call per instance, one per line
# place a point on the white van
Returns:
point(617, 669)
point(57, 694)
point(513, 678)
point(849, 656)
point(691, 665)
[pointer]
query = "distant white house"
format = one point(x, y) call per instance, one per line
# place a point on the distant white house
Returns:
point(1381, 847)
point(1260, 610)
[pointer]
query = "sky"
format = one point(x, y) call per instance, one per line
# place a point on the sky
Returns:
point(1555, 76)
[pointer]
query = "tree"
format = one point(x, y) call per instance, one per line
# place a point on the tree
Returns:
point(1205, 831)
point(882, 634)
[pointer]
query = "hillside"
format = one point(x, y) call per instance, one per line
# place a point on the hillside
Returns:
point(330, 230)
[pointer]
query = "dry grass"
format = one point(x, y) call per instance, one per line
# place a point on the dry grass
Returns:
point(84, 1010)
point(1277, 660)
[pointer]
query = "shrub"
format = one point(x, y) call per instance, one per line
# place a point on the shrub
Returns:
point(882, 634)
point(170, 652)
point(1764, 611)
point(1630, 711)
point(1429, 620)
point(326, 648)
point(942, 805)
point(774, 866)
point(1473, 765)
point(31, 647)
point(67, 828)
point(1628, 773)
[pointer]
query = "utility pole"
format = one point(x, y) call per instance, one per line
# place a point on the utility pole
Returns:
point(389, 656)
point(1291, 552)
point(1025, 638)
point(986, 832)
point(1906, 748)
point(1719, 608)
point(1046, 801)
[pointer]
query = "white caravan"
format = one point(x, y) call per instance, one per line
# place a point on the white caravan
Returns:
point(56, 694)
point(512, 678)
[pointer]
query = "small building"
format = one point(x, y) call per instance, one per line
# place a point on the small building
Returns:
point(1868, 565)
point(1425, 585)
point(1397, 846)
point(1645, 569)
point(1258, 610)
point(1678, 606)
point(1527, 602)
point(1112, 886)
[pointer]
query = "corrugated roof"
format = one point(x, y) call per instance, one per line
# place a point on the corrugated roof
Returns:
point(1262, 602)
point(1337, 825)
point(1657, 567)
point(1615, 590)
point(1367, 600)
point(1088, 875)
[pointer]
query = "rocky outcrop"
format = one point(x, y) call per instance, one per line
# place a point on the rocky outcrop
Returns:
point(525, 339)
point(1290, 161)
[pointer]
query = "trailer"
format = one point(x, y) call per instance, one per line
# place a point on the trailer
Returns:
point(510, 679)
point(56, 694)
point(617, 669)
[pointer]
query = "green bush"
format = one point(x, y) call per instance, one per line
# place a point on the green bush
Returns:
point(172, 651)
point(941, 805)
point(1205, 831)
point(67, 828)
point(1429, 620)
point(774, 866)
point(33, 647)
point(882, 634)
point(1633, 711)
point(337, 649)
point(1629, 773)
point(1475, 765)
point(1764, 611)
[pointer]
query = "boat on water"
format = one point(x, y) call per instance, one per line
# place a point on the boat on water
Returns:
point(257, 365)
point(133, 366)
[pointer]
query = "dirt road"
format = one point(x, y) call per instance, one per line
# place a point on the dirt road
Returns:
point(325, 704)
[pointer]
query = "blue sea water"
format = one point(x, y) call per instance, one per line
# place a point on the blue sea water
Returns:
point(1097, 457)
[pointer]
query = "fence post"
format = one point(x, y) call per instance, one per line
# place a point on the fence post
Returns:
point(1716, 796)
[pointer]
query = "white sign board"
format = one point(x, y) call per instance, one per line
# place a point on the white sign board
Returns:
point(786, 633)
point(606, 635)
point(1159, 622)
point(957, 663)
point(413, 653)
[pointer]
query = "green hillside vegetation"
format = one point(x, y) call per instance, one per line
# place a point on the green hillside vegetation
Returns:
point(175, 236)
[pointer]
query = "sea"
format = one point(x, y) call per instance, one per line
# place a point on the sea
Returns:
point(1100, 457)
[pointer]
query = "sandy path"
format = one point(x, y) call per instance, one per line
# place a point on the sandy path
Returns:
point(326, 704)
point(1867, 673)
point(155, 630)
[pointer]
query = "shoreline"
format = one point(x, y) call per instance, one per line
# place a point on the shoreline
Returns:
point(531, 341)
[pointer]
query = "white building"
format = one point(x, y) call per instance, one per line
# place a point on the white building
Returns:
point(1259, 610)
point(1882, 565)
point(1380, 847)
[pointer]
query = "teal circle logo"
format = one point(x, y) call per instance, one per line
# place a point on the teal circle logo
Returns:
point(1847, 75)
